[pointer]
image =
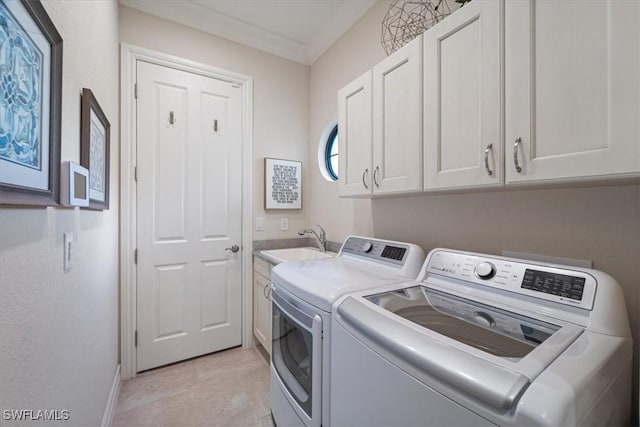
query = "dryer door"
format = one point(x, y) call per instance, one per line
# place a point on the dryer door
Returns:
point(296, 354)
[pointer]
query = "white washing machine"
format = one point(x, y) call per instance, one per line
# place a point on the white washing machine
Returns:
point(303, 293)
point(483, 340)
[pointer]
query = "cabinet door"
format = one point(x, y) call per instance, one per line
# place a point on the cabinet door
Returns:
point(262, 311)
point(354, 128)
point(572, 89)
point(397, 121)
point(462, 116)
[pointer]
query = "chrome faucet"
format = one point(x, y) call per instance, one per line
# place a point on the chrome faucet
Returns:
point(321, 237)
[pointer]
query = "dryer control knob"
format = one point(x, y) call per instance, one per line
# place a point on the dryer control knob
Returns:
point(366, 247)
point(485, 270)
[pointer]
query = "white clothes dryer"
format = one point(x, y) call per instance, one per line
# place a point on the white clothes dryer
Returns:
point(303, 293)
point(483, 340)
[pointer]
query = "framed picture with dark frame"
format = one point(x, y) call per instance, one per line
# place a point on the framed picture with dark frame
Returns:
point(94, 149)
point(30, 105)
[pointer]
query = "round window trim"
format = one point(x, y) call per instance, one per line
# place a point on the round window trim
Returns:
point(328, 137)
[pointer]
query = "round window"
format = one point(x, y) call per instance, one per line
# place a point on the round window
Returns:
point(328, 152)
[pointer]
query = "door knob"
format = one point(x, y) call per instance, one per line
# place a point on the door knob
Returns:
point(234, 248)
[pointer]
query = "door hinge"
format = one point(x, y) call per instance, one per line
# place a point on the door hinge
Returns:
point(135, 90)
point(135, 173)
point(135, 256)
point(135, 338)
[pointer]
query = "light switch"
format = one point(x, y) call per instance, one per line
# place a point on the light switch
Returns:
point(68, 251)
point(284, 224)
point(259, 223)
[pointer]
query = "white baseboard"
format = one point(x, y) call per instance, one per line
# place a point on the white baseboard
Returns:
point(110, 409)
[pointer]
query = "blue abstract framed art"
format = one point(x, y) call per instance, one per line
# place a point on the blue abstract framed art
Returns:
point(30, 104)
point(94, 149)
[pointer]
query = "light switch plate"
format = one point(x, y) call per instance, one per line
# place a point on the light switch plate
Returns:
point(284, 224)
point(68, 251)
point(259, 223)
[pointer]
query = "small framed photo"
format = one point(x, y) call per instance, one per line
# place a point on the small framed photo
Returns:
point(94, 150)
point(30, 105)
point(283, 184)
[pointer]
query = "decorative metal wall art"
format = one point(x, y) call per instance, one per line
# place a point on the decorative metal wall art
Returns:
point(407, 19)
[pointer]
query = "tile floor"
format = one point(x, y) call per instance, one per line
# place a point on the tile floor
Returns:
point(228, 388)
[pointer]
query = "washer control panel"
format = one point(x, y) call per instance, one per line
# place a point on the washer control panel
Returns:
point(377, 250)
point(565, 286)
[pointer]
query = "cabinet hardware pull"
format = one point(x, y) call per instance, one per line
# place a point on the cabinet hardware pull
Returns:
point(486, 159)
point(172, 119)
point(375, 176)
point(365, 173)
point(264, 291)
point(515, 154)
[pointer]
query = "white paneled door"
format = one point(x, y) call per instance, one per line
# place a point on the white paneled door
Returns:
point(189, 215)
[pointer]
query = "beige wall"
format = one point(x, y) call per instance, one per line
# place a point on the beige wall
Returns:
point(281, 100)
point(353, 54)
point(598, 223)
point(59, 331)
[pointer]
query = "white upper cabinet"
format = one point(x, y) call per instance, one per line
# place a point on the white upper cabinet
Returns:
point(500, 92)
point(354, 128)
point(380, 126)
point(397, 121)
point(462, 79)
point(572, 91)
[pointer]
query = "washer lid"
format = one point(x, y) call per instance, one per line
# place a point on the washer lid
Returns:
point(485, 352)
point(490, 329)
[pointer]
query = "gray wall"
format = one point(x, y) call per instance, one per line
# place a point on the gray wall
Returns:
point(59, 331)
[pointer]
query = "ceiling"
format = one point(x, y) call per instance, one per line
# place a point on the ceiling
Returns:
point(299, 30)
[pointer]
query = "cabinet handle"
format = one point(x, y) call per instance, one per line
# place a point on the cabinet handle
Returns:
point(515, 154)
point(365, 173)
point(375, 176)
point(486, 159)
point(264, 290)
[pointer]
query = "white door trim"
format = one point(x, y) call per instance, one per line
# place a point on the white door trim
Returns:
point(129, 54)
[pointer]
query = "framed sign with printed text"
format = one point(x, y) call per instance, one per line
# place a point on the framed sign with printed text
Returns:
point(282, 184)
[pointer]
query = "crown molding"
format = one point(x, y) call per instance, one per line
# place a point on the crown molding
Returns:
point(201, 18)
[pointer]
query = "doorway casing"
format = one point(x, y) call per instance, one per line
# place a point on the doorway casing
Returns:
point(129, 55)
